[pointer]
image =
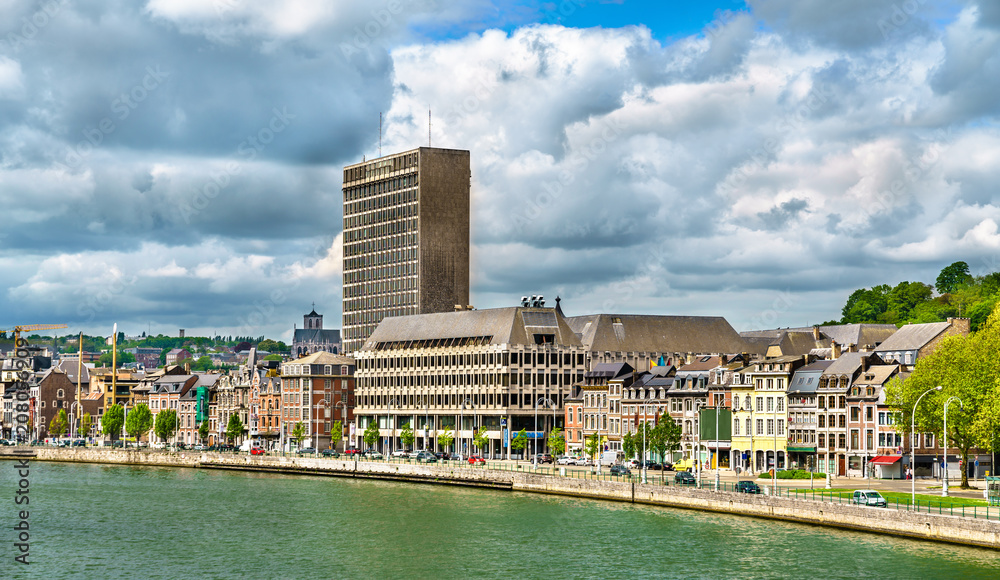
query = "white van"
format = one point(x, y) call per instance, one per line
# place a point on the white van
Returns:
point(609, 457)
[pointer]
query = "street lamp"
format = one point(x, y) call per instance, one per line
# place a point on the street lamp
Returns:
point(389, 402)
point(316, 430)
point(913, 429)
point(552, 404)
point(461, 422)
point(343, 403)
point(944, 486)
point(124, 417)
point(72, 423)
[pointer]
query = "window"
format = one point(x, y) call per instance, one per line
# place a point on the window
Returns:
point(746, 403)
point(781, 404)
point(770, 426)
point(770, 404)
point(760, 426)
point(760, 404)
point(855, 414)
point(822, 440)
point(781, 427)
point(736, 426)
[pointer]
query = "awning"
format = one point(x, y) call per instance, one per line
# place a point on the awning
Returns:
point(802, 450)
point(885, 459)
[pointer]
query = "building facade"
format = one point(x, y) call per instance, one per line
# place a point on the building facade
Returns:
point(312, 337)
point(406, 238)
point(317, 391)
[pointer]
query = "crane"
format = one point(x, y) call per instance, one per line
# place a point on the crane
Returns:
point(30, 327)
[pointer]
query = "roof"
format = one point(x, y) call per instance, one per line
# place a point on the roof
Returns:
point(649, 333)
point(323, 358)
point(70, 368)
point(703, 363)
point(806, 379)
point(913, 336)
point(849, 363)
point(512, 325)
point(877, 375)
point(316, 335)
point(609, 370)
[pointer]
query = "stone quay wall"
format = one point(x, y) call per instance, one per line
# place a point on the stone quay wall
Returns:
point(934, 527)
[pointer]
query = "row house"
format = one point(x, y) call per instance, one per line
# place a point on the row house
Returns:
point(265, 407)
point(876, 444)
point(759, 413)
point(804, 415)
point(166, 393)
point(601, 393)
point(645, 401)
point(194, 407)
point(232, 397)
point(318, 390)
point(688, 395)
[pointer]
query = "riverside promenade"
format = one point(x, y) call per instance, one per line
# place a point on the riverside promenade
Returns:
point(973, 529)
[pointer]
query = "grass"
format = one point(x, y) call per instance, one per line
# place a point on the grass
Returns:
point(902, 498)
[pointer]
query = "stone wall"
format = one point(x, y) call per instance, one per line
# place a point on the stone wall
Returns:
point(942, 528)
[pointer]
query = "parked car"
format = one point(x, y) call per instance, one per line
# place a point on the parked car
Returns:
point(747, 486)
point(256, 450)
point(620, 470)
point(413, 454)
point(476, 460)
point(371, 454)
point(329, 453)
point(684, 465)
point(566, 460)
point(457, 457)
point(399, 453)
point(199, 447)
point(352, 451)
point(633, 464)
point(442, 455)
point(306, 451)
point(426, 457)
point(869, 497)
point(542, 458)
point(684, 478)
point(585, 461)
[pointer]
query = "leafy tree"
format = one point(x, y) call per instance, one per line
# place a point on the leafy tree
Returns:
point(445, 438)
point(371, 434)
point(643, 439)
point(866, 305)
point(952, 277)
point(906, 296)
point(520, 440)
point(298, 431)
point(166, 424)
point(85, 422)
point(59, 423)
point(557, 442)
point(203, 431)
point(272, 345)
point(203, 364)
point(593, 445)
point(628, 445)
point(234, 429)
point(338, 429)
point(139, 421)
point(273, 357)
point(967, 368)
point(480, 440)
point(407, 436)
point(112, 421)
point(667, 436)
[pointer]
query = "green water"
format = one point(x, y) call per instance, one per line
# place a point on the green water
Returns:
point(93, 521)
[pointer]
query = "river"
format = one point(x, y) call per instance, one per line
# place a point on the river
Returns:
point(97, 521)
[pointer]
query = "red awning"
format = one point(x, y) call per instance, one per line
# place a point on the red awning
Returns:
point(886, 459)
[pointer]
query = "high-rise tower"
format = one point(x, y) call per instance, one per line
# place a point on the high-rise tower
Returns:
point(406, 238)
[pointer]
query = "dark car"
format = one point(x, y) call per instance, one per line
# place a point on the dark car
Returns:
point(329, 453)
point(227, 447)
point(685, 478)
point(306, 451)
point(79, 443)
point(747, 486)
point(426, 457)
point(442, 455)
point(543, 458)
point(620, 470)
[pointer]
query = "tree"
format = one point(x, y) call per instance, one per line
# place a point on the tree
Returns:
point(965, 367)
point(407, 436)
point(59, 423)
point(234, 430)
point(203, 431)
point(666, 436)
point(866, 305)
point(445, 438)
point(480, 440)
point(272, 346)
point(593, 445)
point(371, 434)
point(520, 440)
point(123, 358)
point(203, 364)
point(557, 442)
point(628, 445)
point(139, 421)
point(643, 439)
point(953, 277)
point(298, 431)
point(85, 422)
point(338, 429)
point(166, 424)
point(273, 357)
point(112, 421)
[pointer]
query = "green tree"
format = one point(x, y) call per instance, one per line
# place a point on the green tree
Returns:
point(593, 445)
point(966, 368)
point(628, 445)
point(445, 438)
point(85, 423)
point(139, 421)
point(371, 434)
point(866, 305)
point(203, 431)
point(953, 277)
point(273, 357)
point(298, 431)
point(557, 442)
point(234, 430)
point(520, 440)
point(203, 364)
point(112, 421)
point(666, 437)
point(480, 440)
point(272, 345)
point(407, 436)
point(166, 424)
point(59, 423)
point(337, 432)
point(902, 299)
point(643, 439)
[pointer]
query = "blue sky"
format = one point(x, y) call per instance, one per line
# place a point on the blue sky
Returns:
point(177, 163)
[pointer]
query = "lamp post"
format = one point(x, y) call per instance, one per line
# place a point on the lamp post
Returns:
point(124, 417)
point(72, 424)
point(944, 485)
point(913, 428)
point(551, 403)
point(461, 421)
point(317, 430)
point(388, 423)
point(344, 422)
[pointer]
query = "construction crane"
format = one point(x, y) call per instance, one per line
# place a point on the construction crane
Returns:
point(31, 327)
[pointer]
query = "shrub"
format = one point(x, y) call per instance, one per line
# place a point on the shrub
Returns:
point(793, 474)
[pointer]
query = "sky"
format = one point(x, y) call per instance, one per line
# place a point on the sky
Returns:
point(177, 163)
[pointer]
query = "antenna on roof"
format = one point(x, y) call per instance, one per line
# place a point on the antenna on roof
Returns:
point(428, 126)
point(380, 133)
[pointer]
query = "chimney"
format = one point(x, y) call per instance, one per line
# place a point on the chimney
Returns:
point(961, 325)
point(834, 350)
point(816, 333)
point(864, 364)
point(723, 359)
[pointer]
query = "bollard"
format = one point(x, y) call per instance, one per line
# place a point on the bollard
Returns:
point(562, 471)
point(828, 486)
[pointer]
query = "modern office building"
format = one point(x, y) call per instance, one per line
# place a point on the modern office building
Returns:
point(406, 238)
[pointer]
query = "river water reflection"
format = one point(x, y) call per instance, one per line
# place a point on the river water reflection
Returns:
point(94, 521)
